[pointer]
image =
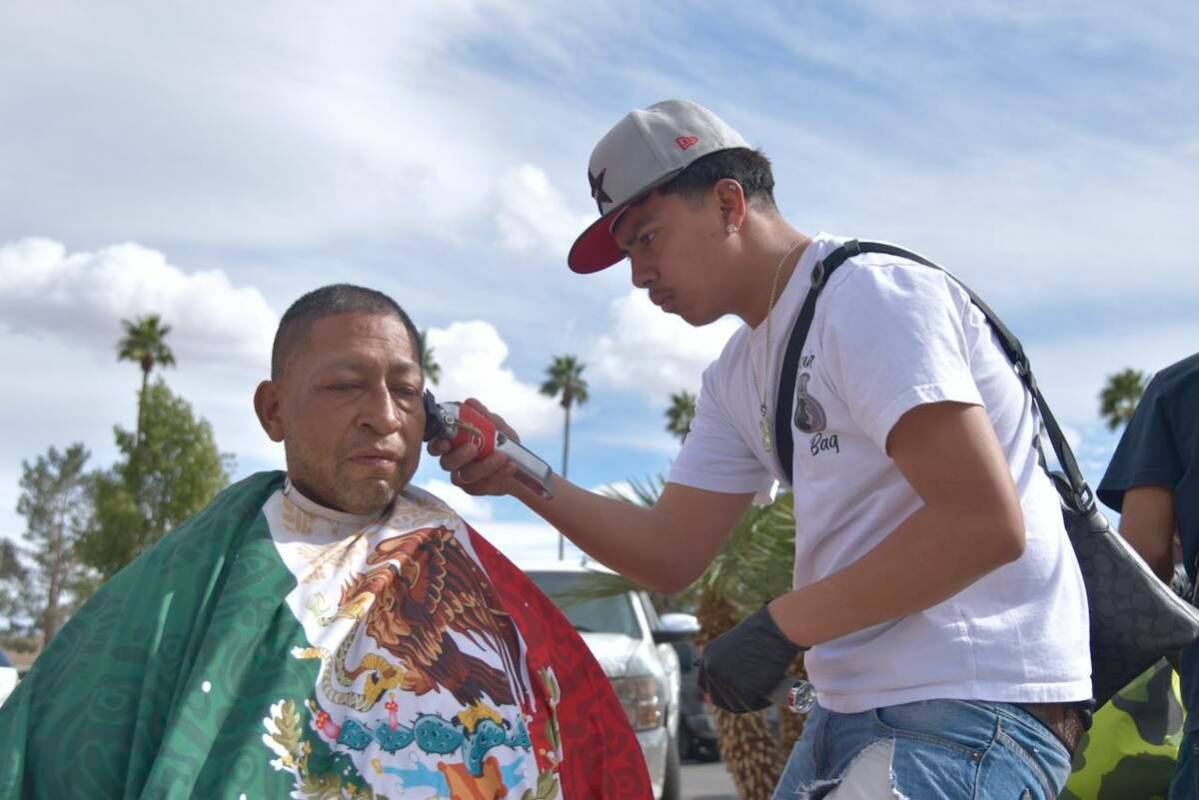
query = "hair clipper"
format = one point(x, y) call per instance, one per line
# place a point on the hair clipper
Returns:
point(459, 423)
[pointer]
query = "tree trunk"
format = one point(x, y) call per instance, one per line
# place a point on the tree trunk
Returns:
point(141, 404)
point(50, 617)
point(566, 442)
point(752, 754)
point(565, 455)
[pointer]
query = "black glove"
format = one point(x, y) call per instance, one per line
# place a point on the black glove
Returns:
point(742, 666)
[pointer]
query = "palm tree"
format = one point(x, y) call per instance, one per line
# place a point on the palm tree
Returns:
point(145, 344)
point(429, 365)
point(681, 414)
point(1120, 396)
point(565, 381)
point(753, 567)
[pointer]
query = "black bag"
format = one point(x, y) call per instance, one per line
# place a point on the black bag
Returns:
point(1136, 619)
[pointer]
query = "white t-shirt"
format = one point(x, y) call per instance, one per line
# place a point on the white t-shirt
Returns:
point(889, 335)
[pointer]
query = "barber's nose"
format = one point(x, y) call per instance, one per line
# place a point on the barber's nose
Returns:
point(643, 273)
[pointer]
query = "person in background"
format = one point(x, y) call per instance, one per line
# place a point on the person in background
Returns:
point(328, 631)
point(1153, 482)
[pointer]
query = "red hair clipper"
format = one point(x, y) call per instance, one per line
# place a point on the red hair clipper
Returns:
point(459, 423)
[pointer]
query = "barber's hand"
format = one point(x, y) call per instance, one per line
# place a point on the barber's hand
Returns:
point(741, 667)
point(491, 476)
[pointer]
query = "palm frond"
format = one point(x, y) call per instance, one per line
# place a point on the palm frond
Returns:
point(1120, 395)
point(640, 492)
point(597, 585)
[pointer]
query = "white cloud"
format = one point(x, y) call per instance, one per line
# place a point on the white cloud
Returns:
point(472, 356)
point(82, 297)
point(1073, 369)
point(1073, 436)
point(653, 441)
point(533, 215)
point(472, 509)
point(302, 127)
point(528, 544)
point(60, 314)
point(655, 353)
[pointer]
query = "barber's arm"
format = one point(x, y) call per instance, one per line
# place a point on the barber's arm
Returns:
point(1147, 522)
point(970, 524)
point(664, 547)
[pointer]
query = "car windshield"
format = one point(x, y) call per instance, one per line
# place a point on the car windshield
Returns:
point(613, 614)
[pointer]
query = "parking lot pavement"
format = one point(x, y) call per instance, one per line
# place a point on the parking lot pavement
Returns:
point(707, 782)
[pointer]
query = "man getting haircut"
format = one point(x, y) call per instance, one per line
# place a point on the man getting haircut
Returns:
point(328, 631)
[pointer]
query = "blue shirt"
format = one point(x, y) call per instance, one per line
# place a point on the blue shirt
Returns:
point(1160, 447)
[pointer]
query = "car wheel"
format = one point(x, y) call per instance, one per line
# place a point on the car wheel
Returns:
point(672, 783)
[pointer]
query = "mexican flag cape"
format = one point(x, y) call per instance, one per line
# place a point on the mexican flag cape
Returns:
point(272, 648)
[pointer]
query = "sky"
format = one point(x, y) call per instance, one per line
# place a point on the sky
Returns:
point(211, 162)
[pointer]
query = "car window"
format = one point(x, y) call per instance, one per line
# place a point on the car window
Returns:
point(613, 614)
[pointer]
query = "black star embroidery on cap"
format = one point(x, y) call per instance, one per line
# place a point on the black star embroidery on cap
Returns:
point(597, 189)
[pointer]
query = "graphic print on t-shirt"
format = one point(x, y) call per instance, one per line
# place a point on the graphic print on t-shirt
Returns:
point(809, 414)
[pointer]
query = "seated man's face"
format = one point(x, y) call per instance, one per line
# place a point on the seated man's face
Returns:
point(351, 410)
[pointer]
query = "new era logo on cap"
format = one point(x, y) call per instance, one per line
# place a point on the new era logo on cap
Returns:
point(643, 151)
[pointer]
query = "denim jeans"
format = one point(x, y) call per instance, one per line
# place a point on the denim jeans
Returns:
point(942, 750)
point(1185, 785)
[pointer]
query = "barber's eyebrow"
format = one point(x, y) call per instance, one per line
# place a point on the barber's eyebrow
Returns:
point(628, 242)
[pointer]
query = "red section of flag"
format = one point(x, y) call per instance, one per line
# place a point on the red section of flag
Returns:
point(601, 759)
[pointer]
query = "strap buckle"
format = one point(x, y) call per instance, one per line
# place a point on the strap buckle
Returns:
point(1086, 499)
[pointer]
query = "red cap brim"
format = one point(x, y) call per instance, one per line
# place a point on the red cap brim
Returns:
point(595, 249)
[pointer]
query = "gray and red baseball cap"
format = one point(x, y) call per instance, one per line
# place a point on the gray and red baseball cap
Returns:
point(643, 151)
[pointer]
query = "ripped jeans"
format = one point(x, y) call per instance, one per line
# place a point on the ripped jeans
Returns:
point(938, 750)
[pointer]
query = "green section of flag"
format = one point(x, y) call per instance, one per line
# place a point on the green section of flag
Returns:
point(160, 686)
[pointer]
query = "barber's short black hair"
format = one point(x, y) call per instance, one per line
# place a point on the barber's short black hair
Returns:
point(337, 298)
point(750, 168)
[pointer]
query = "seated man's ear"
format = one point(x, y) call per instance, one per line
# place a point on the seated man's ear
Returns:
point(266, 406)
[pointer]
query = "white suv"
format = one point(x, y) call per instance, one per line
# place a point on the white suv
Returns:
point(8, 677)
point(633, 648)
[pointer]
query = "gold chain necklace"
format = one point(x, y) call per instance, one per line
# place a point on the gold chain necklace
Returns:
point(764, 423)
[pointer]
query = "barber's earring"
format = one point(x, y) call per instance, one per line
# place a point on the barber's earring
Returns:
point(730, 229)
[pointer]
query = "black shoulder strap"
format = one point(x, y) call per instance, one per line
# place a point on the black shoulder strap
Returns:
point(1083, 498)
point(785, 405)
